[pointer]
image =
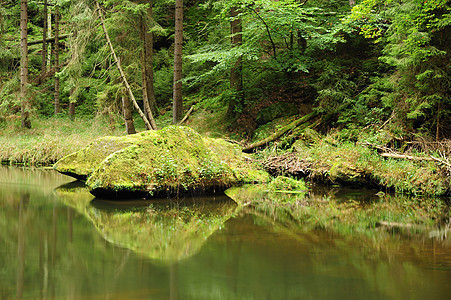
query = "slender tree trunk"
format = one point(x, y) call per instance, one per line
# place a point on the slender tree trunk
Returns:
point(71, 106)
point(148, 47)
point(49, 35)
point(177, 108)
point(147, 109)
point(127, 110)
point(145, 78)
point(72, 110)
point(57, 62)
point(236, 82)
point(121, 72)
point(1, 24)
point(44, 39)
point(25, 109)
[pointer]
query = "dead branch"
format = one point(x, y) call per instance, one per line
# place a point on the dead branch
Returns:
point(121, 72)
point(279, 133)
point(187, 115)
point(404, 156)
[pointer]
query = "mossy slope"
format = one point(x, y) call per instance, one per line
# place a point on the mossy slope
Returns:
point(169, 161)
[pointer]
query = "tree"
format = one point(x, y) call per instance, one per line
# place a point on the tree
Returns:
point(44, 38)
point(25, 103)
point(57, 62)
point(177, 108)
point(236, 80)
point(148, 56)
point(126, 108)
point(121, 72)
point(415, 39)
point(147, 72)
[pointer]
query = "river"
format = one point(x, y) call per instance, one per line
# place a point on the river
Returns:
point(58, 242)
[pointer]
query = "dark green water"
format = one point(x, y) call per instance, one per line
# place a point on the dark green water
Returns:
point(57, 242)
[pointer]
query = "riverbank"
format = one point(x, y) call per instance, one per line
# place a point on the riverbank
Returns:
point(50, 139)
point(325, 159)
point(359, 164)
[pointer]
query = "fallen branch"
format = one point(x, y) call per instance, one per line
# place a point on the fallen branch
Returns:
point(441, 161)
point(48, 40)
point(403, 156)
point(121, 72)
point(279, 133)
point(187, 115)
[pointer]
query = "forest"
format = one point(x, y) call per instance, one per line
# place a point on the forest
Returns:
point(274, 76)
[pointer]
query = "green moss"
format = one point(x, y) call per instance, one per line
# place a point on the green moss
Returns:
point(172, 160)
point(83, 162)
point(350, 163)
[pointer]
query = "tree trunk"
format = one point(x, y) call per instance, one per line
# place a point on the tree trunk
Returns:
point(121, 72)
point(145, 78)
point(57, 62)
point(49, 35)
point(44, 39)
point(25, 103)
point(71, 105)
point(72, 110)
point(127, 110)
point(1, 24)
point(148, 47)
point(177, 108)
point(236, 81)
point(147, 109)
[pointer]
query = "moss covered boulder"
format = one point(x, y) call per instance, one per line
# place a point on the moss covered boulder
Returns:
point(82, 163)
point(166, 162)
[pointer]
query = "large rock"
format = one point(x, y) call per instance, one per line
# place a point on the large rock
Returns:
point(166, 162)
point(82, 163)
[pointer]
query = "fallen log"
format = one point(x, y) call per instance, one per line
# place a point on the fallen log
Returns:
point(279, 133)
point(48, 40)
point(404, 156)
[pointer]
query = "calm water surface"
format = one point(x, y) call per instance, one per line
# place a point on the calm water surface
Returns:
point(57, 241)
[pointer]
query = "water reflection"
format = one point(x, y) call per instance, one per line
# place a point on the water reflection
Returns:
point(52, 245)
point(163, 229)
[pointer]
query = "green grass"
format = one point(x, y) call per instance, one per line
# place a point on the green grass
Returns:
point(50, 139)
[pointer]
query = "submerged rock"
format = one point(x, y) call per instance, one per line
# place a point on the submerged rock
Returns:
point(169, 161)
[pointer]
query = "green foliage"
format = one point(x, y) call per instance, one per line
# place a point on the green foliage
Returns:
point(416, 43)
